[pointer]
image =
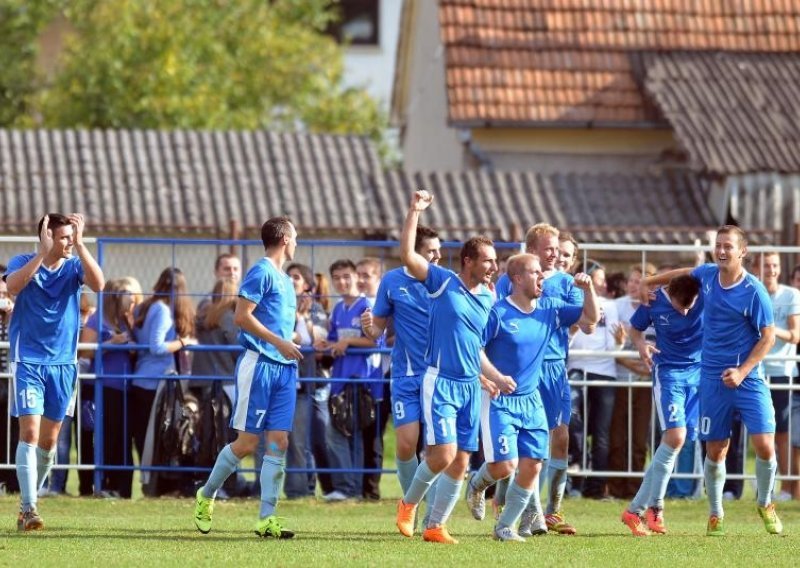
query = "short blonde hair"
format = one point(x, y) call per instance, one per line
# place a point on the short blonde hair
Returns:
point(536, 232)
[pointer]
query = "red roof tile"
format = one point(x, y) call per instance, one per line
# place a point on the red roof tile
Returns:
point(571, 60)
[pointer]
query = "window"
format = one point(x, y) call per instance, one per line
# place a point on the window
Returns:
point(358, 24)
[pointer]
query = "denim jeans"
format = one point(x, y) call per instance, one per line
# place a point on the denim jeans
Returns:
point(298, 454)
point(345, 453)
point(600, 411)
point(320, 419)
point(58, 477)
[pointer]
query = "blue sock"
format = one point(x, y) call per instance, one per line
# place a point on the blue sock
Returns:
point(557, 473)
point(642, 497)
point(482, 479)
point(44, 463)
point(430, 499)
point(543, 476)
point(660, 469)
point(26, 474)
point(422, 481)
point(406, 471)
point(765, 480)
point(501, 488)
point(517, 498)
point(447, 494)
point(715, 481)
point(225, 465)
point(272, 474)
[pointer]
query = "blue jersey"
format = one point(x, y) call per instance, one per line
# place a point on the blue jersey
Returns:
point(732, 320)
point(405, 299)
point(456, 325)
point(558, 285)
point(273, 294)
point(345, 322)
point(46, 322)
point(679, 338)
point(516, 341)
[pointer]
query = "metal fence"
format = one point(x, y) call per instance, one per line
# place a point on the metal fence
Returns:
point(145, 258)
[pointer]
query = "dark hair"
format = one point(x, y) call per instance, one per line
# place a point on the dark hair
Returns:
point(54, 221)
point(683, 289)
point(471, 248)
point(424, 234)
point(305, 272)
point(342, 263)
point(274, 230)
point(223, 256)
point(795, 270)
point(616, 284)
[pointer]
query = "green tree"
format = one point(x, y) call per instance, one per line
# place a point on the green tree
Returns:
point(205, 64)
point(21, 22)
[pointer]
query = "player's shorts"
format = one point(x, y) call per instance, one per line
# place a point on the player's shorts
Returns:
point(514, 427)
point(782, 403)
point(555, 391)
point(677, 406)
point(718, 403)
point(406, 407)
point(450, 410)
point(265, 394)
point(43, 390)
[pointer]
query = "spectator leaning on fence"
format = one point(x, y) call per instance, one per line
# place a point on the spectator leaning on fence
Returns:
point(344, 436)
point(786, 310)
point(266, 379)
point(120, 297)
point(44, 346)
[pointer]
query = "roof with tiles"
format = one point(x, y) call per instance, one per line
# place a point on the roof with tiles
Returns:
point(733, 113)
point(529, 62)
point(666, 209)
point(193, 182)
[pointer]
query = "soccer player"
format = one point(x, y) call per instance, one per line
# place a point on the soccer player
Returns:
point(43, 337)
point(542, 240)
point(460, 305)
point(514, 427)
point(738, 331)
point(404, 298)
point(676, 313)
point(266, 375)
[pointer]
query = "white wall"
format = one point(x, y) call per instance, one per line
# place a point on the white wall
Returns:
point(373, 66)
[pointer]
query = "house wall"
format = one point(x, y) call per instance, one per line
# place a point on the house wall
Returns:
point(426, 141)
point(552, 150)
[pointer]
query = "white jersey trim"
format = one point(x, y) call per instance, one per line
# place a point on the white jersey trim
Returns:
point(244, 382)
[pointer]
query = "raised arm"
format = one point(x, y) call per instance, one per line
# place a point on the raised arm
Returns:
point(93, 274)
point(662, 279)
point(19, 278)
point(591, 308)
point(416, 264)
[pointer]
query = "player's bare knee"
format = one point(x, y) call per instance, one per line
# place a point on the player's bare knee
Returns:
point(503, 469)
point(277, 443)
point(674, 438)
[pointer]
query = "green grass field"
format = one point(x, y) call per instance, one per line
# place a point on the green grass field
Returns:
point(156, 532)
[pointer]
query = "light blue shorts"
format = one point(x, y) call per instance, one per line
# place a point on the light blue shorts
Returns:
point(43, 390)
point(451, 410)
point(514, 427)
point(265, 394)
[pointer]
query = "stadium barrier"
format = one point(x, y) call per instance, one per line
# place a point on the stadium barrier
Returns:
point(317, 254)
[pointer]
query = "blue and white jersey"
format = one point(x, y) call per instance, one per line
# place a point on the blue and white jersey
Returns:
point(456, 325)
point(345, 322)
point(405, 299)
point(679, 338)
point(517, 342)
point(273, 294)
point(732, 320)
point(558, 285)
point(46, 322)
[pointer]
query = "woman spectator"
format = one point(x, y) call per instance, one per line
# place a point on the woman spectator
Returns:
point(164, 322)
point(120, 297)
point(307, 446)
